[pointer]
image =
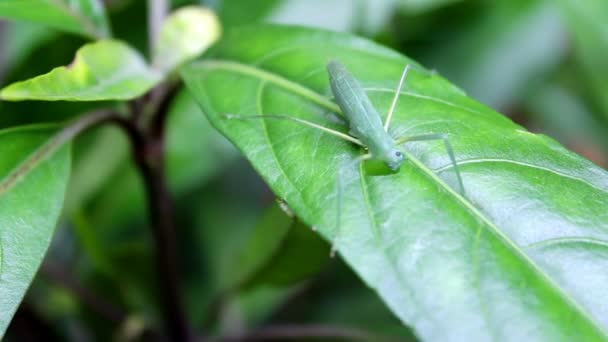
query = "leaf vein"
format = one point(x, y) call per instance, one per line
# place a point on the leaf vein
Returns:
point(567, 240)
point(259, 104)
point(509, 161)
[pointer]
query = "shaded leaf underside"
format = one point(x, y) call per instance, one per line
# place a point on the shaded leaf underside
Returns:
point(513, 259)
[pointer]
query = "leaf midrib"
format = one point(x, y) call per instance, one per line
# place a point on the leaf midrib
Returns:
point(506, 240)
point(319, 99)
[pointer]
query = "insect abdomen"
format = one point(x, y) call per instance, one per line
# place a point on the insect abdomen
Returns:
point(363, 118)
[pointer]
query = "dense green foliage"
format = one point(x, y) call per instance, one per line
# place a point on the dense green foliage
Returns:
point(121, 185)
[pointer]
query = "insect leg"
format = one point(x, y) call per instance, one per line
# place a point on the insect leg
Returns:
point(448, 148)
point(407, 68)
point(300, 121)
point(389, 116)
point(339, 192)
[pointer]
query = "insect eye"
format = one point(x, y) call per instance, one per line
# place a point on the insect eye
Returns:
point(398, 154)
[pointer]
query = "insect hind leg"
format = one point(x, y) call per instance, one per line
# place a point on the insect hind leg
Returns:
point(389, 115)
point(391, 110)
point(448, 147)
point(299, 121)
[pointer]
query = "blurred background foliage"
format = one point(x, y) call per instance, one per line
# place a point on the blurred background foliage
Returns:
point(246, 264)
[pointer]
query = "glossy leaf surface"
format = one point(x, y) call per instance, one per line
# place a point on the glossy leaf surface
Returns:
point(519, 257)
point(105, 70)
point(30, 205)
point(84, 17)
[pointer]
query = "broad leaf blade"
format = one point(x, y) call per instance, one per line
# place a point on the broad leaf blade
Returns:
point(105, 70)
point(29, 208)
point(450, 266)
point(185, 34)
point(84, 17)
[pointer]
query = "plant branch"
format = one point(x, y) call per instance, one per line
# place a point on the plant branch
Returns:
point(162, 102)
point(149, 154)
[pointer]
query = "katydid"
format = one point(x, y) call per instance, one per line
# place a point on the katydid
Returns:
point(365, 129)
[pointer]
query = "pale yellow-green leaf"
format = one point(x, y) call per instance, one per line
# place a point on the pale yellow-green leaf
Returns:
point(104, 70)
point(185, 34)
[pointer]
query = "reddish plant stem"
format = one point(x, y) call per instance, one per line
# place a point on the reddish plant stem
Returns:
point(149, 155)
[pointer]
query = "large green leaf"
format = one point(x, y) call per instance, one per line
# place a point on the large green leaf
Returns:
point(84, 17)
point(105, 70)
point(587, 21)
point(521, 256)
point(30, 204)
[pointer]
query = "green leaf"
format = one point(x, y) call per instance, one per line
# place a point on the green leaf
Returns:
point(279, 251)
point(30, 204)
point(521, 256)
point(587, 22)
point(559, 111)
point(420, 6)
point(242, 12)
point(302, 254)
point(487, 59)
point(22, 39)
point(84, 17)
point(258, 249)
point(105, 70)
point(184, 35)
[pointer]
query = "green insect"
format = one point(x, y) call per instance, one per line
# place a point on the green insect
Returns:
point(365, 129)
